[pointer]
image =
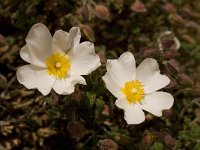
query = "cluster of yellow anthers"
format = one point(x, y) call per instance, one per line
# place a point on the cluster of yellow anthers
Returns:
point(134, 91)
point(59, 62)
point(58, 65)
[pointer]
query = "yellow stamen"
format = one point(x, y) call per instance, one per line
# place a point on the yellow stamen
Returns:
point(58, 65)
point(134, 91)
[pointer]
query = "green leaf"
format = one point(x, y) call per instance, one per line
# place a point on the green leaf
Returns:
point(100, 104)
point(157, 146)
point(90, 99)
point(192, 135)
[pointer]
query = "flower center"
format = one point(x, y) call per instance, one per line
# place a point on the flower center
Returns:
point(134, 91)
point(58, 65)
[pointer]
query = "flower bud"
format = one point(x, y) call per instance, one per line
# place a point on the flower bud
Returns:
point(108, 144)
point(76, 96)
point(185, 80)
point(102, 12)
point(172, 84)
point(122, 139)
point(77, 129)
point(168, 113)
point(196, 91)
point(186, 12)
point(169, 8)
point(188, 39)
point(168, 139)
point(168, 41)
point(176, 19)
point(139, 7)
point(173, 66)
point(84, 11)
point(89, 33)
point(147, 52)
point(193, 26)
point(87, 12)
point(148, 139)
point(170, 54)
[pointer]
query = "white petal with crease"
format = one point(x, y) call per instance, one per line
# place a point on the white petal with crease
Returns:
point(66, 86)
point(156, 102)
point(60, 41)
point(83, 49)
point(122, 69)
point(112, 85)
point(84, 65)
point(35, 77)
point(122, 103)
point(132, 113)
point(38, 45)
point(149, 74)
point(74, 37)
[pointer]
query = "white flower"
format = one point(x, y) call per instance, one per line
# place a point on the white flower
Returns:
point(136, 88)
point(56, 62)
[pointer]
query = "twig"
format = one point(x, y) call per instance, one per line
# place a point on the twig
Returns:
point(35, 96)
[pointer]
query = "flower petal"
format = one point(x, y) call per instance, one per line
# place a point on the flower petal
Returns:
point(83, 49)
point(64, 41)
point(74, 37)
point(149, 74)
point(112, 85)
point(156, 102)
point(35, 77)
point(66, 86)
point(38, 45)
point(122, 69)
point(122, 103)
point(132, 113)
point(83, 59)
point(85, 65)
point(61, 41)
